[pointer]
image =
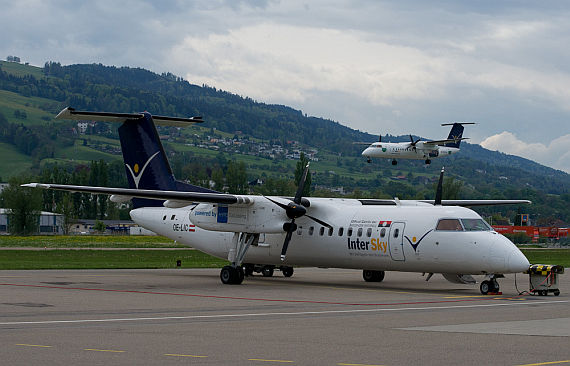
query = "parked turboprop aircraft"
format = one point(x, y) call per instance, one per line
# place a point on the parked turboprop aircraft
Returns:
point(264, 233)
point(418, 149)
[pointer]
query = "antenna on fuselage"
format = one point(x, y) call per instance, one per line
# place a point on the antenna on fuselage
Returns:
point(439, 190)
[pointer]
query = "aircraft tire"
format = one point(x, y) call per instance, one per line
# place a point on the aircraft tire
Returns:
point(227, 275)
point(428, 161)
point(287, 271)
point(373, 276)
point(267, 271)
point(485, 287)
point(394, 162)
point(239, 275)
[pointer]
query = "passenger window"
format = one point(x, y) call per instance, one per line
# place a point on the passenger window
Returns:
point(299, 230)
point(173, 216)
point(311, 229)
point(359, 232)
point(396, 233)
point(449, 225)
point(164, 217)
point(369, 232)
point(383, 232)
point(349, 232)
point(322, 231)
point(340, 231)
point(330, 231)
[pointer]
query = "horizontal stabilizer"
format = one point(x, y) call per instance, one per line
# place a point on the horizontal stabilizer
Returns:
point(71, 113)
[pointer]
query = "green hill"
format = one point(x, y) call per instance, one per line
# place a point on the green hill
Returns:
point(31, 96)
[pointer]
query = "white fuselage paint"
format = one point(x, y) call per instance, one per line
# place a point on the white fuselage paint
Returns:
point(417, 247)
point(403, 150)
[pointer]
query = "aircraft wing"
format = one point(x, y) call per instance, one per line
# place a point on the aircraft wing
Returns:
point(443, 142)
point(128, 193)
point(478, 202)
point(71, 113)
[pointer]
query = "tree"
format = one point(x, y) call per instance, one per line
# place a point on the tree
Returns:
point(236, 177)
point(23, 205)
point(99, 226)
point(299, 169)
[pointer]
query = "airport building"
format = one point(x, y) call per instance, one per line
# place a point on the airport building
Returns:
point(49, 222)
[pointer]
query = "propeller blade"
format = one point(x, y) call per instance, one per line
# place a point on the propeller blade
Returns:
point(439, 190)
point(301, 187)
point(411, 139)
point(319, 221)
point(283, 206)
point(290, 230)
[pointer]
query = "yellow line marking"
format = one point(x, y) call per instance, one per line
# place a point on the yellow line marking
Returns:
point(459, 297)
point(178, 355)
point(32, 345)
point(103, 350)
point(546, 363)
point(355, 364)
point(262, 360)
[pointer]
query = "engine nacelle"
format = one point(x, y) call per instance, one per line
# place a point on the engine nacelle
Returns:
point(258, 218)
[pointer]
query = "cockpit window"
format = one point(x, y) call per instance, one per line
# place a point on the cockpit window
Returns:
point(449, 225)
point(475, 225)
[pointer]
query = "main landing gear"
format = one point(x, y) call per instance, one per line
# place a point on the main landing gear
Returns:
point(373, 276)
point(234, 273)
point(490, 285)
point(394, 162)
point(428, 162)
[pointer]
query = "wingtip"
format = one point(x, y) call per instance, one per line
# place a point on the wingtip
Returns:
point(35, 185)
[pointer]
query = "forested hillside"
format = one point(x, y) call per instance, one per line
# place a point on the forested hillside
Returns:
point(242, 130)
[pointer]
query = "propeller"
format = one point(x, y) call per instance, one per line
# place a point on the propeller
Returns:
point(413, 143)
point(294, 210)
point(439, 190)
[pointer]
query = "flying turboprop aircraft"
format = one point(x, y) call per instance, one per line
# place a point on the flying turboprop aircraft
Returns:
point(267, 232)
point(417, 149)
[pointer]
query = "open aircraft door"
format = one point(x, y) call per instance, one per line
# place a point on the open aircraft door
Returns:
point(396, 241)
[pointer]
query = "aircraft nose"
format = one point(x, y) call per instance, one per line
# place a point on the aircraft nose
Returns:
point(366, 151)
point(517, 262)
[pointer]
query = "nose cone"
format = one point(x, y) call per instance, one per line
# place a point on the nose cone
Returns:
point(366, 152)
point(517, 262)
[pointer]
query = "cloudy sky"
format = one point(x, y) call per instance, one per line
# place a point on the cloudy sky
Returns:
point(393, 67)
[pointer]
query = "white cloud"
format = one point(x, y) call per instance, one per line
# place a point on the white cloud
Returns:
point(556, 154)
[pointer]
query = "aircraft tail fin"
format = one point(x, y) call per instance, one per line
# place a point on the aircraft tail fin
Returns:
point(456, 133)
point(146, 164)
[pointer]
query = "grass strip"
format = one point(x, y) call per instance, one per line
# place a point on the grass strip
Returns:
point(548, 256)
point(88, 241)
point(106, 259)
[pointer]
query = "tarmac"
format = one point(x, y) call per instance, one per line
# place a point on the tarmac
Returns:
point(316, 317)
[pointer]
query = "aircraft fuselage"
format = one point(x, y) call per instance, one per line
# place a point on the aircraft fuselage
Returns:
point(407, 238)
point(394, 150)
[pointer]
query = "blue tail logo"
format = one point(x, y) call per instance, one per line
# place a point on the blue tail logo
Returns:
point(135, 169)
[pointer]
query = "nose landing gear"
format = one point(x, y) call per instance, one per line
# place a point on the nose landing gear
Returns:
point(491, 286)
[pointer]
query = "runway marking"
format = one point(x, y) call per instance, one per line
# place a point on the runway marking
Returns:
point(179, 355)
point(244, 315)
point(103, 350)
point(247, 298)
point(356, 364)
point(32, 345)
point(546, 363)
point(464, 296)
point(262, 360)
